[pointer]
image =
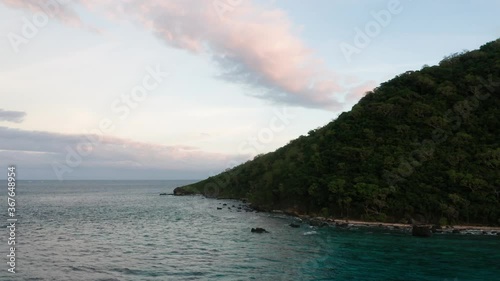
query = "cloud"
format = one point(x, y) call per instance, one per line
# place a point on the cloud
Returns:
point(355, 93)
point(40, 150)
point(12, 116)
point(252, 45)
point(60, 9)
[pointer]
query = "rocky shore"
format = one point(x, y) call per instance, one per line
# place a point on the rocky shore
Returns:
point(416, 229)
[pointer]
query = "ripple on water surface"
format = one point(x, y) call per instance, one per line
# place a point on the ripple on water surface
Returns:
point(122, 230)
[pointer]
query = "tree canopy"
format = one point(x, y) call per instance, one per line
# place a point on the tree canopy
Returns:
point(423, 145)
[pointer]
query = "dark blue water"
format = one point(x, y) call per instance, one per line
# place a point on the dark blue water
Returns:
point(123, 230)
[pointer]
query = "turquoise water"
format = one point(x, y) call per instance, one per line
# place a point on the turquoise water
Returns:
point(123, 230)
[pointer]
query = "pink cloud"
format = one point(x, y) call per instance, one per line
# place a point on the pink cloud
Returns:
point(60, 9)
point(254, 46)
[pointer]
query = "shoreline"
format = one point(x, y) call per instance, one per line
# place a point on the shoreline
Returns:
point(319, 221)
point(409, 226)
point(449, 229)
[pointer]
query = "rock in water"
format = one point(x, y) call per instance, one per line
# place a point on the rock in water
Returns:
point(259, 230)
point(317, 222)
point(342, 224)
point(436, 229)
point(294, 225)
point(421, 231)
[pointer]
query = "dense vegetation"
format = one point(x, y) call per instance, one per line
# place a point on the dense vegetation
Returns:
point(424, 145)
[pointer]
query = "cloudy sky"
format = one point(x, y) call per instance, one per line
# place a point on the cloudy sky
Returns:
point(171, 89)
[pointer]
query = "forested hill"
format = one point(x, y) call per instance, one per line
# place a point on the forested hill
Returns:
point(424, 145)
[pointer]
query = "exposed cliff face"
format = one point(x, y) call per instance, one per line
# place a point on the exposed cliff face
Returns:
point(423, 145)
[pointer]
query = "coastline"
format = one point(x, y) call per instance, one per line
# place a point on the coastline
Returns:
point(409, 226)
point(319, 221)
point(345, 223)
point(449, 229)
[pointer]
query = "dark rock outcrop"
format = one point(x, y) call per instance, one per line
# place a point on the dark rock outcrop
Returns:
point(258, 208)
point(421, 231)
point(259, 230)
point(342, 224)
point(317, 222)
point(436, 229)
point(179, 191)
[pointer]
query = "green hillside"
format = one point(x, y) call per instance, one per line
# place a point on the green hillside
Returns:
point(424, 145)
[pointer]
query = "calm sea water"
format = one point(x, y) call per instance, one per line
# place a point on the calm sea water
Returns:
point(123, 230)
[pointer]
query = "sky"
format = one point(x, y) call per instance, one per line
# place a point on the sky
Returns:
point(171, 89)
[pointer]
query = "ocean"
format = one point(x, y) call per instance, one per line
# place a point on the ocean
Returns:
point(123, 230)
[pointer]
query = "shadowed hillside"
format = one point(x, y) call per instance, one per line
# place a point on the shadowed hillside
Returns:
point(424, 145)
